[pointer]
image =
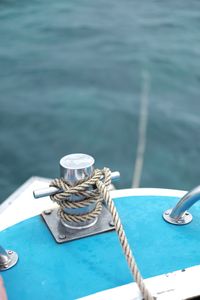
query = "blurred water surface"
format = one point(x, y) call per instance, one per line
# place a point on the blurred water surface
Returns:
point(71, 81)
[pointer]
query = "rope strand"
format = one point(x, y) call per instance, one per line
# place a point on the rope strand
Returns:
point(97, 196)
point(123, 239)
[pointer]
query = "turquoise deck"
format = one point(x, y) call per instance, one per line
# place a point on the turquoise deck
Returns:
point(82, 267)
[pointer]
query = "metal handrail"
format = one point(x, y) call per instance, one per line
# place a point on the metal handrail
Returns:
point(179, 215)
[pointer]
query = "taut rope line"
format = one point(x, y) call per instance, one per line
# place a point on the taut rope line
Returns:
point(98, 195)
point(142, 131)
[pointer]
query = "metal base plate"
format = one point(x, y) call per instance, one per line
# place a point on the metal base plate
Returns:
point(185, 219)
point(63, 234)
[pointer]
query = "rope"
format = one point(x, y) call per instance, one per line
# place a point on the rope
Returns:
point(122, 238)
point(142, 131)
point(82, 189)
point(98, 195)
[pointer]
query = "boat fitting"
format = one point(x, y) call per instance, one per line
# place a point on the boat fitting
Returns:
point(8, 259)
point(75, 168)
point(179, 215)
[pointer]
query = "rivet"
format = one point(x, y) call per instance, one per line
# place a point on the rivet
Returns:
point(166, 213)
point(180, 221)
point(187, 213)
point(111, 224)
point(62, 236)
point(10, 252)
point(48, 212)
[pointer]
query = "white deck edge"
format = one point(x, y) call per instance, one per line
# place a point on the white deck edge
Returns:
point(178, 285)
point(147, 192)
point(6, 203)
point(21, 204)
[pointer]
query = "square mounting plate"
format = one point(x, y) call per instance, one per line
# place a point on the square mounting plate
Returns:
point(64, 234)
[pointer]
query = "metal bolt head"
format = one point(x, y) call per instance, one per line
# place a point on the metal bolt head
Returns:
point(180, 221)
point(48, 212)
point(62, 236)
point(111, 223)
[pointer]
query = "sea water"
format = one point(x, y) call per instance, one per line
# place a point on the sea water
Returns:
point(71, 80)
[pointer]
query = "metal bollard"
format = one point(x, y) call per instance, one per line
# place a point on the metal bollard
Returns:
point(75, 168)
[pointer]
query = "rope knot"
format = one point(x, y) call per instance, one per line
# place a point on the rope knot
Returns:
point(85, 194)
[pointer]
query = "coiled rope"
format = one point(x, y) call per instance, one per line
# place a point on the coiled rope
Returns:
point(97, 196)
point(92, 196)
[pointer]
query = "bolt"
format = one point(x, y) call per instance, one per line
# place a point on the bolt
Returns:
point(48, 212)
point(187, 213)
point(180, 221)
point(111, 223)
point(62, 236)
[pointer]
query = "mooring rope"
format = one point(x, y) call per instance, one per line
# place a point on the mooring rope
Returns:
point(92, 196)
point(97, 196)
point(142, 131)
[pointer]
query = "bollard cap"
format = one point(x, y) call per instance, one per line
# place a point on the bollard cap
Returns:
point(76, 167)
